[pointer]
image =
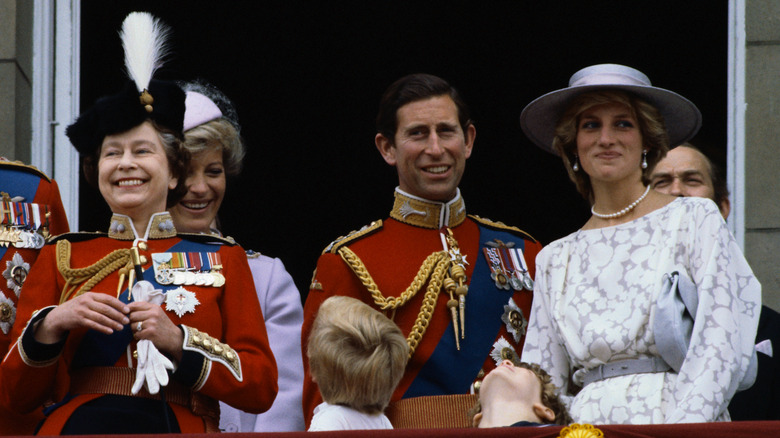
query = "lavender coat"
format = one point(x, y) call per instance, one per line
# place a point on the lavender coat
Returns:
point(283, 313)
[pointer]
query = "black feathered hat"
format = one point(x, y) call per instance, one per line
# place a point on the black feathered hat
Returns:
point(143, 39)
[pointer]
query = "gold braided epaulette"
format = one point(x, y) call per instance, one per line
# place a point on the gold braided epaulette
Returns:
point(18, 165)
point(369, 229)
point(501, 226)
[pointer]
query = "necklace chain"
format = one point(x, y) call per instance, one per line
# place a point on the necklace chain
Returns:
point(623, 211)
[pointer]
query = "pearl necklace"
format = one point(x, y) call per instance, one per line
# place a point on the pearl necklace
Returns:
point(623, 211)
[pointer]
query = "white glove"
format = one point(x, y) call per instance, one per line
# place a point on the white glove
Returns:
point(153, 366)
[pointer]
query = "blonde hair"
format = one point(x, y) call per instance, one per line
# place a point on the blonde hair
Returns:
point(357, 356)
point(549, 395)
point(655, 138)
point(220, 134)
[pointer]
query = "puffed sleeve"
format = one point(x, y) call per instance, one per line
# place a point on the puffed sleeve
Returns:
point(726, 320)
point(237, 367)
point(542, 345)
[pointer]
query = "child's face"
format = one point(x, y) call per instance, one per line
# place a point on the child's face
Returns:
point(510, 382)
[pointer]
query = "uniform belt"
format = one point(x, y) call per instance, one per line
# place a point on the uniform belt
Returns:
point(623, 367)
point(119, 381)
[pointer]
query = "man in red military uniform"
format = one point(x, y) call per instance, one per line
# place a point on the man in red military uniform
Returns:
point(31, 211)
point(458, 286)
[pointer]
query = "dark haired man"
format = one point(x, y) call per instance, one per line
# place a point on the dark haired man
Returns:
point(458, 286)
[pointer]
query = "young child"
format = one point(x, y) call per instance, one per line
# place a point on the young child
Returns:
point(518, 395)
point(357, 357)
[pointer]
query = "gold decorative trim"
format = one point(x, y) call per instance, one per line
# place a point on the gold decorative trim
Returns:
point(581, 431)
point(433, 271)
point(25, 167)
point(90, 275)
point(427, 214)
point(121, 228)
point(315, 284)
point(500, 225)
point(162, 226)
point(352, 236)
point(213, 350)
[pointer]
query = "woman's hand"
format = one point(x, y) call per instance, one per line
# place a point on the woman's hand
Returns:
point(92, 310)
point(156, 327)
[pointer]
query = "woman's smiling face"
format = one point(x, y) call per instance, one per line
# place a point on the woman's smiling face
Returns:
point(133, 172)
point(206, 185)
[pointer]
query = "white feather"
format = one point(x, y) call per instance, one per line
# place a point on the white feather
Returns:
point(144, 40)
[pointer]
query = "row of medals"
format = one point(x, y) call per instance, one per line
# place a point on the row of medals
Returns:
point(166, 276)
point(516, 279)
point(20, 238)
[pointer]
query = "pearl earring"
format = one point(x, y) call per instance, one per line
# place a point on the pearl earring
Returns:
point(644, 159)
point(576, 166)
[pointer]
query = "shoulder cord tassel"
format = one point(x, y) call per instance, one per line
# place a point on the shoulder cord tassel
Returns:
point(452, 304)
point(91, 275)
point(458, 273)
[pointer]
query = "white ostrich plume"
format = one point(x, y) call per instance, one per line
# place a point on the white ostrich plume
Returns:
point(144, 40)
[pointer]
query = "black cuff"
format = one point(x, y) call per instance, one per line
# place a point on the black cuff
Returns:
point(37, 353)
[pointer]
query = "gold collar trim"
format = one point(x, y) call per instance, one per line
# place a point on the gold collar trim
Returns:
point(428, 214)
point(160, 227)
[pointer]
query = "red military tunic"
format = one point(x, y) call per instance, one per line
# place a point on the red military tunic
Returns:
point(31, 194)
point(226, 354)
point(392, 252)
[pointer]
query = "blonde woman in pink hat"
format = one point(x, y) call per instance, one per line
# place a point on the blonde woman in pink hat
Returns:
point(647, 313)
point(212, 136)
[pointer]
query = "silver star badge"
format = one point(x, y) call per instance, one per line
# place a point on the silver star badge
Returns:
point(514, 319)
point(180, 301)
point(16, 273)
point(7, 313)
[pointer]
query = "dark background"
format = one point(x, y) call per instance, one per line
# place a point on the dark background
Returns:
point(306, 78)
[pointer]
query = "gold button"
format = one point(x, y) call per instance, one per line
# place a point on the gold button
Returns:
point(143, 246)
point(143, 260)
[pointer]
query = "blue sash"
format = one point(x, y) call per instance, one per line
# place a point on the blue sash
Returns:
point(449, 371)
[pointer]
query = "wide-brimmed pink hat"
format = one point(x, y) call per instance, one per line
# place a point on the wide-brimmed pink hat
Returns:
point(539, 118)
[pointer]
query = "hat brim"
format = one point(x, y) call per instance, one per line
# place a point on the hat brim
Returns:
point(539, 118)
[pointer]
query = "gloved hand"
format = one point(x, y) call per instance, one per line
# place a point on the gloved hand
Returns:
point(153, 366)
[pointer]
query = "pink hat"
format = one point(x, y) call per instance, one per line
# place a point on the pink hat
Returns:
point(199, 109)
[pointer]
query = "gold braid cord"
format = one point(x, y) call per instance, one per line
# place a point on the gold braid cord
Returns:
point(435, 266)
point(91, 275)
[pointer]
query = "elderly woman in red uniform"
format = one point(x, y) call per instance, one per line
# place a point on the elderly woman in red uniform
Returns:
point(137, 330)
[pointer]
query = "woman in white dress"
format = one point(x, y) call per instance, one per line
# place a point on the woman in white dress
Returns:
point(592, 325)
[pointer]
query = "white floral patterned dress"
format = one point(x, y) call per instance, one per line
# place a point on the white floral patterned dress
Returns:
point(594, 303)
